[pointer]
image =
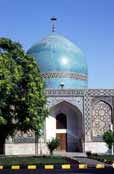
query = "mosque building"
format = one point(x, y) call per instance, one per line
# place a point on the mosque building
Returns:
point(78, 116)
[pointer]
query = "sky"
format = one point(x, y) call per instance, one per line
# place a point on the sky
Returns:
point(87, 23)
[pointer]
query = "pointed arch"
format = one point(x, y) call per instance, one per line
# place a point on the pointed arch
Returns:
point(102, 100)
point(77, 102)
point(64, 102)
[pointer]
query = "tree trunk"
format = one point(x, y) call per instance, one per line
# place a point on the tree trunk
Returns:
point(36, 144)
point(2, 143)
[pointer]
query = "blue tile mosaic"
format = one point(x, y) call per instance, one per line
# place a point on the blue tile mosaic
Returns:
point(57, 54)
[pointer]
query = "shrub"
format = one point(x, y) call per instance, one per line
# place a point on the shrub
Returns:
point(52, 145)
point(108, 137)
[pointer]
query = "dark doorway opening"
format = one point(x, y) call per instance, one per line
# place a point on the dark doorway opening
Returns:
point(61, 122)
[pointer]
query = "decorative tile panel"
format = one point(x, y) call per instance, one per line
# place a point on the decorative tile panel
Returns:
point(101, 119)
point(22, 137)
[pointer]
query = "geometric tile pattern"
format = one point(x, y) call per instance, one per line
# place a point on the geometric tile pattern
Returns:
point(90, 94)
point(87, 116)
point(101, 118)
point(100, 92)
point(22, 137)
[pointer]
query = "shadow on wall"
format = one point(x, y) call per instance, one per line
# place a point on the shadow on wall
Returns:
point(76, 145)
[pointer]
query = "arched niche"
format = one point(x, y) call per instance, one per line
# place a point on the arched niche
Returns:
point(101, 119)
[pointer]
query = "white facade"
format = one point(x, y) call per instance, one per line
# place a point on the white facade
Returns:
point(89, 113)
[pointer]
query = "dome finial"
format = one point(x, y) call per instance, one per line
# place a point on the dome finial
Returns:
point(53, 19)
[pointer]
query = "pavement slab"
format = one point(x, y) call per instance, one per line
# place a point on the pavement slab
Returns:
point(90, 162)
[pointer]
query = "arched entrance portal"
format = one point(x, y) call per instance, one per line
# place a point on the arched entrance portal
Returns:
point(67, 125)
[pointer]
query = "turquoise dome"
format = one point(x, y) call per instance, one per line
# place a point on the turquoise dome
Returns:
point(62, 64)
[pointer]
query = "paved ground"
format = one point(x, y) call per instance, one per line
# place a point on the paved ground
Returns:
point(70, 154)
point(81, 157)
point(90, 162)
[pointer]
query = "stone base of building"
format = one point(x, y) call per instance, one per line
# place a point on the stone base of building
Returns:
point(26, 149)
point(96, 147)
point(41, 149)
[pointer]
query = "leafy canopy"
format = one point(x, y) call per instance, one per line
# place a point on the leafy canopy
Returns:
point(22, 99)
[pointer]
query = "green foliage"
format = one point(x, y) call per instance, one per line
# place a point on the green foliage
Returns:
point(22, 98)
point(52, 145)
point(108, 137)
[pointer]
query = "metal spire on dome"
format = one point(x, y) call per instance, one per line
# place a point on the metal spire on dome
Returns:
point(53, 20)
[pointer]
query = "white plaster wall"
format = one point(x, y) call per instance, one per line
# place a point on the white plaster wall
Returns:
point(20, 149)
point(96, 147)
point(50, 128)
point(25, 149)
point(61, 131)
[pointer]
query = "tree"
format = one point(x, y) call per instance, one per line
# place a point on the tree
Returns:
point(22, 98)
point(52, 145)
point(108, 137)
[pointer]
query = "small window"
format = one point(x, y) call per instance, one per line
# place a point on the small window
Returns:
point(61, 122)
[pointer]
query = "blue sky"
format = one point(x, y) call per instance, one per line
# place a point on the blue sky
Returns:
point(88, 23)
